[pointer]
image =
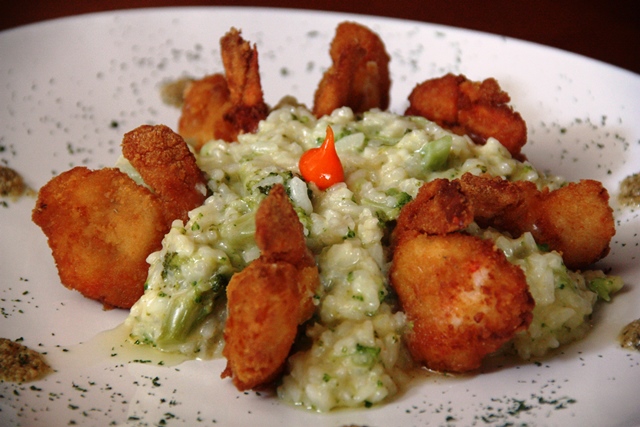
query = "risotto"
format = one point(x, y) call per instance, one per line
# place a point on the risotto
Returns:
point(355, 356)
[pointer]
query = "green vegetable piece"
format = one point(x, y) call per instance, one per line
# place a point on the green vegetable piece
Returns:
point(436, 153)
point(604, 287)
point(188, 308)
point(365, 355)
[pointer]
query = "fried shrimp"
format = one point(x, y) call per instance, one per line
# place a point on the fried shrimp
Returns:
point(243, 77)
point(165, 163)
point(222, 106)
point(440, 207)
point(202, 119)
point(575, 220)
point(270, 298)
point(101, 226)
point(280, 237)
point(359, 75)
point(263, 311)
point(477, 109)
point(462, 296)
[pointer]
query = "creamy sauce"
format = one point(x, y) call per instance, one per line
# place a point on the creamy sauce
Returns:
point(630, 336)
point(630, 190)
point(112, 346)
point(19, 363)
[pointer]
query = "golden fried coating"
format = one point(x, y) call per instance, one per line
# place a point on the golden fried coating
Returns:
point(439, 208)
point(476, 109)
point(224, 106)
point(359, 75)
point(494, 197)
point(462, 297)
point(280, 237)
point(101, 226)
point(243, 77)
point(205, 104)
point(165, 163)
point(269, 299)
point(576, 221)
point(263, 311)
point(437, 100)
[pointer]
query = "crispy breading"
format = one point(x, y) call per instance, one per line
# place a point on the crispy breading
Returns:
point(280, 237)
point(462, 297)
point(502, 204)
point(242, 72)
point(477, 109)
point(276, 221)
point(359, 75)
point(577, 221)
point(440, 207)
point(205, 103)
point(101, 226)
point(263, 313)
point(223, 106)
point(272, 296)
point(165, 163)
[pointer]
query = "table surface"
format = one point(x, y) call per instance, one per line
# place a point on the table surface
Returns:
point(608, 31)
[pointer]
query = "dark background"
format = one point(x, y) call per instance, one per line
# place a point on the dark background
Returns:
point(605, 30)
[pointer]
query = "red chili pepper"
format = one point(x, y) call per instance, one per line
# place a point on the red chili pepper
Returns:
point(322, 165)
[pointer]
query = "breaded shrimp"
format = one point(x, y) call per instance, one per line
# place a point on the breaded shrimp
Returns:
point(165, 163)
point(575, 220)
point(476, 109)
point(101, 226)
point(206, 101)
point(223, 106)
point(359, 75)
point(440, 207)
point(494, 197)
point(263, 313)
point(243, 77)
point(269, 298)
point(462, 297)
point(278, 235)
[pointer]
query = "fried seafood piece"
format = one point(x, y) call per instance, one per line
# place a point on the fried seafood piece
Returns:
point(462, 296)
point(575, 220)
point(359, 75)
point(223, 106)
point(242, 71)
point(270, 298)
point(280, 237)
point(477, 109)
point(101, 226)
point(165, 163)
point(440, 207)
point(203, 111)
point(263, 311)
point(494, 198)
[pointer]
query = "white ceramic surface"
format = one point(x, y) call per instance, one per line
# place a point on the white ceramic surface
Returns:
point(70, 88)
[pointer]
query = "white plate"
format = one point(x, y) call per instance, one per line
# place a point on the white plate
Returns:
point(70, 88)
